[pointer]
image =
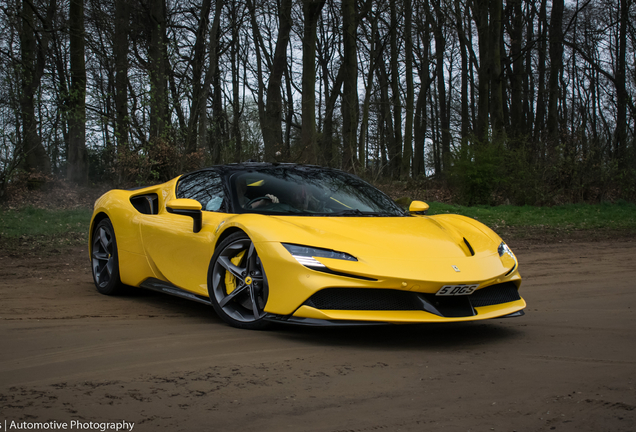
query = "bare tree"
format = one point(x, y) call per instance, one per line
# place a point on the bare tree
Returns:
point(77, 164)
point(556, 67)
point(440, 45)
point(311, 13)
point(272, 109)
point(121, 48)
point(158, 68)
point(34, 49)
point(407, 154)
point(350, 79)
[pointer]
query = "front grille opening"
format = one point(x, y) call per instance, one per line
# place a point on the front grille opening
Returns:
point(452, 306)
point(368, 299)
point(363, 299)
point(495, 294)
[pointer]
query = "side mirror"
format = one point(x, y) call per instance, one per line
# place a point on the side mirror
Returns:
point(418, 208)
point(187, 207)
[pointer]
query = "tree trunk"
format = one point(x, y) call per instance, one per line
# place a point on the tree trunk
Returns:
point(350, 90)
point(440, 45)
point(210, 77)
point(272, 118)
point(218, 140)
point(539, 120)
point(385, 111)
point(407, 154)
point(364, 123)
point(192, 139)
point(517, 124)
point(421, 114)
point(480, 15)
point(496, 77)
point(120, 48)
point(158, 68)
point(289, 117)
point(34, 154)
point(327, 131)
point(396, 150)
point(621, 91)
point(528, 76)
point(77, 159)
point(236, 98)
point(311, 13)
point(556, 65)
point(465, 120)
point(435, 135)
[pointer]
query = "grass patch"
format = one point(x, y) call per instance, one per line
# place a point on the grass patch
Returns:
point(33, 229)
point(31, 221)
point(619, 216)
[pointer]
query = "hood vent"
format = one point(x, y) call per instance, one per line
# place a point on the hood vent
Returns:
point(470, 248)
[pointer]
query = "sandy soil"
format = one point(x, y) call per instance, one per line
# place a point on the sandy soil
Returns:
point(68, 353)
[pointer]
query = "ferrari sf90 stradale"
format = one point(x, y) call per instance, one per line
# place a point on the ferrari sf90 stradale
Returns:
point(300, 244)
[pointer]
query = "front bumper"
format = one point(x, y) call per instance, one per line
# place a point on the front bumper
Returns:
point(295, 290)
point(395, 306)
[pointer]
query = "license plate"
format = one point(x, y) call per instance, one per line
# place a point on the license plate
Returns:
point(456, 290)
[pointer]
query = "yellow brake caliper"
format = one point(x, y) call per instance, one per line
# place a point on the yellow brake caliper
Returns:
point(230, 279)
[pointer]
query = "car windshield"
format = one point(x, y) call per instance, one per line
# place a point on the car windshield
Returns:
point(307, 192)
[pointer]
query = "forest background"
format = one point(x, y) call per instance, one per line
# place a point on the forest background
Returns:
point(522, 102)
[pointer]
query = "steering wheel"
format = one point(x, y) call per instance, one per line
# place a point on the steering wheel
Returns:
point(252, 201)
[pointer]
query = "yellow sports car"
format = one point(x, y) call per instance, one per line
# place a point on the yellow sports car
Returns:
point(300, 244)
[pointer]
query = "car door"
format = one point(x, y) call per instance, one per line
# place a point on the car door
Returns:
point(175, 252)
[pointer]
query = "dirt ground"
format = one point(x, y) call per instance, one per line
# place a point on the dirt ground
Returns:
point(68, 353)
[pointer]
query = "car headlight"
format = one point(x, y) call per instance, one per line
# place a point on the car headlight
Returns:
point(504, 249)
point(305, 254)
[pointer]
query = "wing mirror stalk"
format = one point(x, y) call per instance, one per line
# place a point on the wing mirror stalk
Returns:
point(187, 207)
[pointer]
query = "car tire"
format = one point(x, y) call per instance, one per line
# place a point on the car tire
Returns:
point(105, 259)
point(237, 283)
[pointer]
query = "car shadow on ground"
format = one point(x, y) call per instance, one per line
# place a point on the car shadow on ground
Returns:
point(409, 336)
point(167, 304)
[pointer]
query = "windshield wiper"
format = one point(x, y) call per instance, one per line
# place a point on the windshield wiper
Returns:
point(357, 212)
point(347, 212)
point(354, 212)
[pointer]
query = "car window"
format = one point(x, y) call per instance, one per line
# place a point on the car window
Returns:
point(203, 186)
point(308, 191)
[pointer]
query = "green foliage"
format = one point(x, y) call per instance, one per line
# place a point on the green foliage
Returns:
point(625, 177)
point(619, 216)
point(98, 169)
point(478, 173)
point(503, 170)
